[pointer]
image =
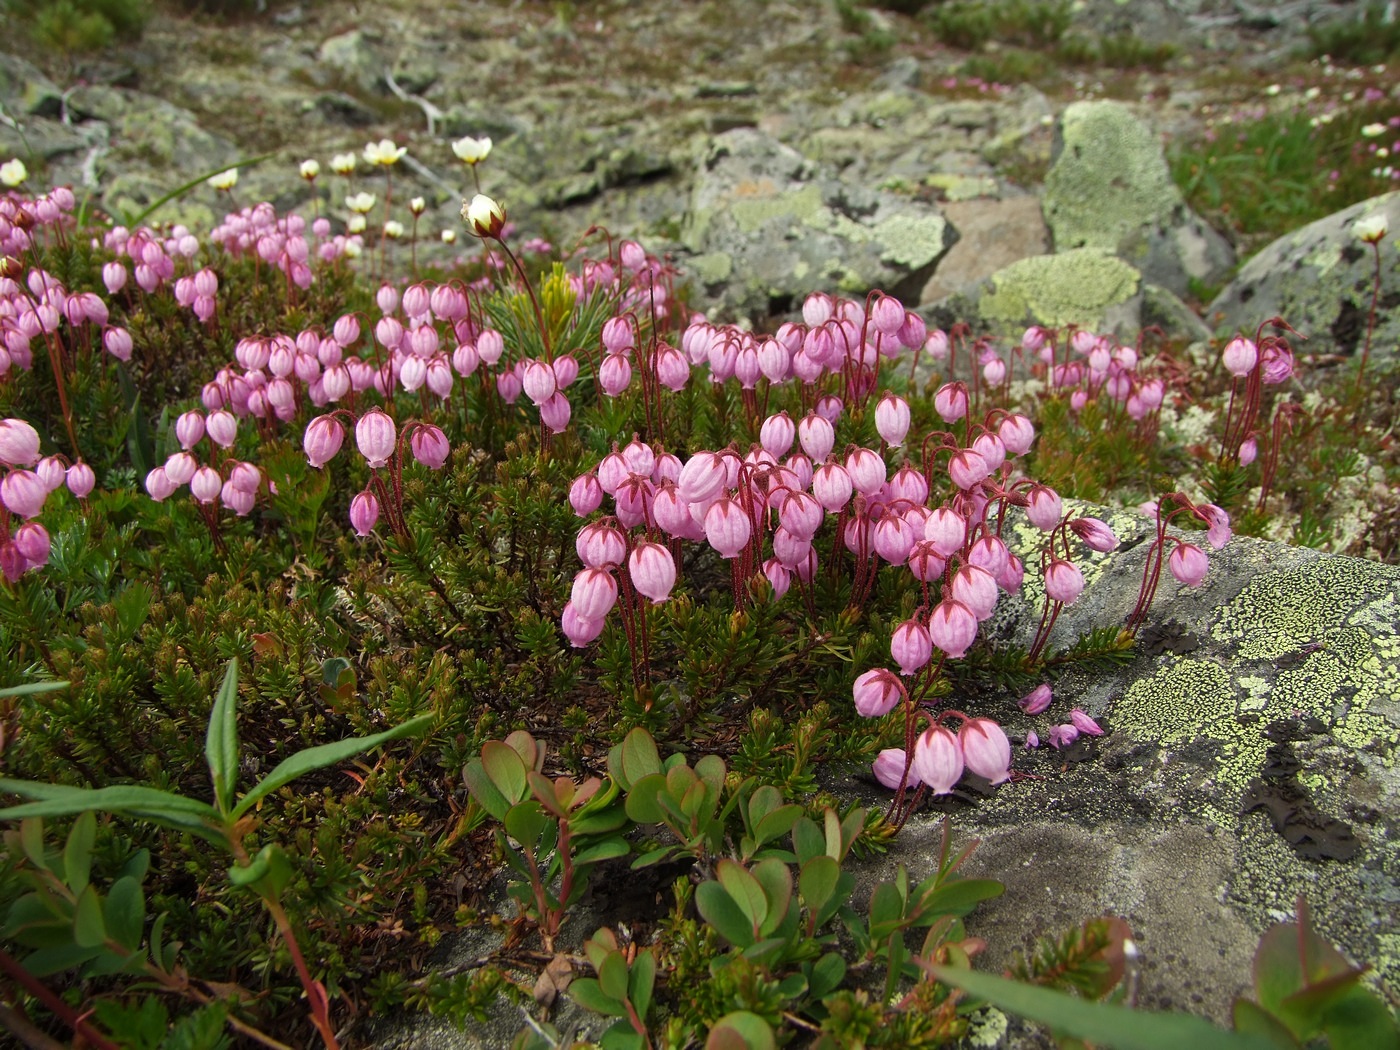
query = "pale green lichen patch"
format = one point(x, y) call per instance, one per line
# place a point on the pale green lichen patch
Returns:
point(910, 240)
point(753, 213)
point(1075, 287)
point(1109, 180)
point(1183, 701)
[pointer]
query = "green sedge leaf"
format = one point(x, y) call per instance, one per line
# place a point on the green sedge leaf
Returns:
point(314, 758)
point(221, 740)
point(31, 688)
point(1108, 1026)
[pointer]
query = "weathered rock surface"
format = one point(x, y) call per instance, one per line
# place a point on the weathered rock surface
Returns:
point(766, 226)
point(1109, 188)
point(1320, 280)
point(992, 234)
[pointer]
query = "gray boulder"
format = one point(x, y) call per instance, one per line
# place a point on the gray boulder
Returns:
point(1320, 280)
point(1109, 188)
point(26, 91)
point(765, 226)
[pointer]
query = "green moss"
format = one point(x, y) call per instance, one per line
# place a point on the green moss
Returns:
point(1074, 287)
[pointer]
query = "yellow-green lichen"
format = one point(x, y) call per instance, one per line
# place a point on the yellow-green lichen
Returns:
point(1109, 180)
point(1183, 701)
point(910, 240)
point(1075, 287)
point(751, 214)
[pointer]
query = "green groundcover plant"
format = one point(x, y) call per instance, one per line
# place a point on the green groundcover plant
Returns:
point(437, 563)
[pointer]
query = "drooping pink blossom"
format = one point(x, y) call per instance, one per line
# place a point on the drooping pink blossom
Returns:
point(985, 749)
point(876, 692)
point(938, 760)
point(652, 571)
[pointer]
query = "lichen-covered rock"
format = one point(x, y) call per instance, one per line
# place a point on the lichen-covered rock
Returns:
point(766, 226)
point(26, 91)
point(1109, 188)
point(992, 234)
point(1087, 287)
point(1320, 279)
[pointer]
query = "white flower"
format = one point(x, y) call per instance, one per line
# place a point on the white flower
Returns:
point(1371, 229)
point(356, 224)
point(485, 217)
point(1373, 130)
point(1273, 89)
point(1312, 93)
point(384, 152)
point(449, 236)
point(310, 169)
point(417, 205)
point(13, 172)
point(343, 163)
point(225, 180)
point(353, 249)
point(393, 230)
point(472, 151)
point(360, 203)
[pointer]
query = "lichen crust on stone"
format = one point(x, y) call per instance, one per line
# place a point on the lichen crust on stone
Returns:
point(1075, 287)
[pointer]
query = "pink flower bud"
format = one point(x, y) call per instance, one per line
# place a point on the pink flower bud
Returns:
point(1095, 534)
point(703, 478)
point(80, 479)
point(967, 468)
point(240, 501)
point(594, 594)
point(727, 527)
point(114, 277)
point(614, 374)
point(159, 485)
point(1037, 701)
point(1249, 451)
point(539, 382)
point(205, 485)
point(32, 541)
point(1063, 581)
point(925, 562)
point(1188, 564)
point(989, 553)
point(975, 588)
point(117, 342)
point(23, 492)
point(322, 440)
point(779, 577)
point(1240, 356)
point(892, 419)
point(777, 434)
point(376, 436)
point(189, 428)
point(1044, 507)
point(889, 769)
point(364, 513)
point(887, 315)
point(893, 538)
point(601, 546)
point(652, 571)
point(911, 646)
point(985, 749)
point(51, 472)
point(222, 427)
point(429, 446)
point(914, 330)
point(829, 407)
point(952, 627)
point(555, 412)
point(817, 436)
point(387, 298)
point(180, 468)
point(877, 692)
point(579, 631)
point(832, 486)
point(951, 402)
point(1219, 522)
point(938, 760)
point(867, 470)
point(508, 386)
point(19, 443)
point(585, 494)
point(946, 530)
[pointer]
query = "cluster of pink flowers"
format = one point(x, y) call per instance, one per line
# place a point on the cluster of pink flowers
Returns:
point(40, 307)
point(23, 493)
point(222, 479)
point(20, 215)
point(941, 757)
point(277, 240)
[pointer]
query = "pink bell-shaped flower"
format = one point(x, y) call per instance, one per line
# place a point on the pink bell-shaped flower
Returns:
point(946, 530)
point(975, 588)
point(938, 760)
point(877, 692)
point(19, 443)
point(601, 546)
point(951, 402)
point(578, 630)
point(1095, 534)
point(892, 768)
point(832, 486)
point(727, 527)
point(81, 479)
point(158, 484)
point(1188, 563)
point(23, 492)
point(322, 440)
point(1063, 581)
point(429, 446)
point(777, 434)
point(652, 571)
point(364, 512)
point(985, 749)
point(1043, 507)
point(702, 478)
point(205, 485)
point(911, 646)
point(952, 626)
point(585, 494)
point(817, 436)
point(376, 436)
point(892, 419)
point(594, 593)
